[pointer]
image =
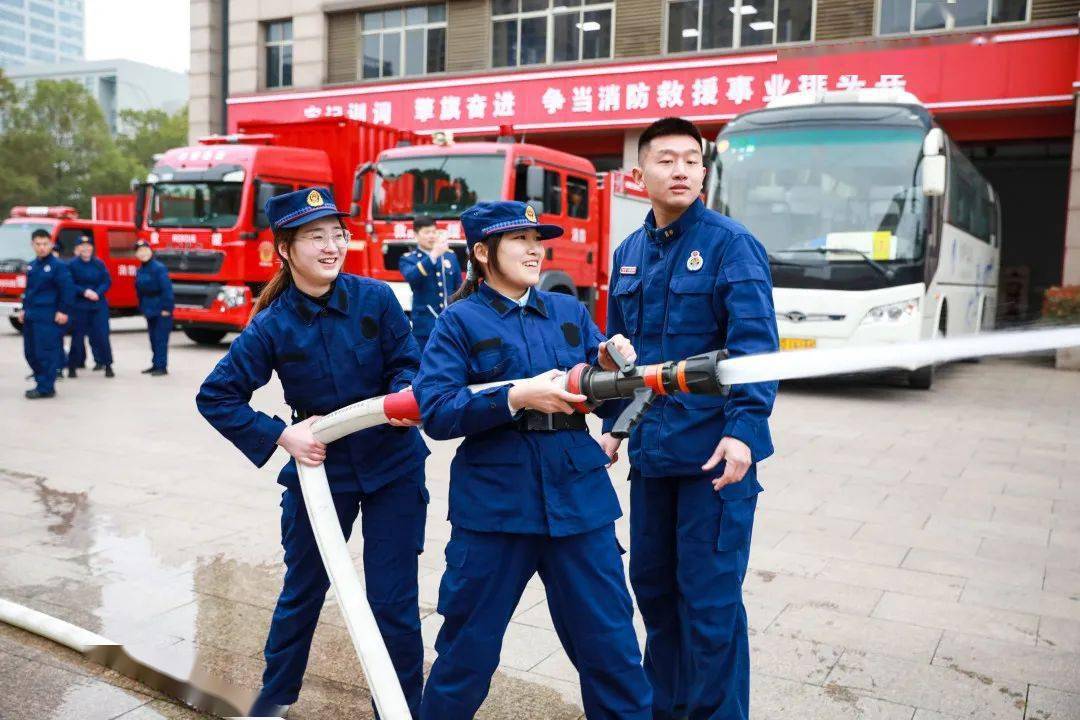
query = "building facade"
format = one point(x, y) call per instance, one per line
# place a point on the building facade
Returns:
point(41, 31)
point(586, 75)
point(116, 84)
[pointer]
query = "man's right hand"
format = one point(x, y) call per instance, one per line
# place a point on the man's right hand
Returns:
point(611, 445)
point(544, 393)
point(300, 442)
point(440, 248)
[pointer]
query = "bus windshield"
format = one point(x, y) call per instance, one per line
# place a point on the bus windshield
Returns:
point(807, 191)
point(440, 185)
point(15, 240)
point(195, 204)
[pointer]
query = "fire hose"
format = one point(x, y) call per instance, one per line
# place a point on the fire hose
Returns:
point(709, 373)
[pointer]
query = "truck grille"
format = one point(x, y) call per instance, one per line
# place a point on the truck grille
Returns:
point(206, 262)
point(392, 252)
point(195, 295)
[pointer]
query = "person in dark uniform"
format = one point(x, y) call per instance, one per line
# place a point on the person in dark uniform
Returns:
point(333, 339)
point(434, 275)
point(529, 492)
point(155, 292)
point(91, 311)
point(46, 307)
point(689, 281)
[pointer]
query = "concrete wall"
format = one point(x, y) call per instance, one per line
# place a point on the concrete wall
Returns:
point(1070, 273)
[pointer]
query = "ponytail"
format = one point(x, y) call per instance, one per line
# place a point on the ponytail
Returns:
point(475, 272)
point(283, 277)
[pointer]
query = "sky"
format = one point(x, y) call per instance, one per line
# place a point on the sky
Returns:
point(150, 31)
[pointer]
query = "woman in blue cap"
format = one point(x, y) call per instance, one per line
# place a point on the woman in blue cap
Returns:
point(333, 339)
point(529, 492)
point(155, 292)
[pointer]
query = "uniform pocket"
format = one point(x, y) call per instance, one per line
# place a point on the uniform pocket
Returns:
point(628, 295)
point(690, 306)
point(586, 457)
point(489, 365)
point(736, 523)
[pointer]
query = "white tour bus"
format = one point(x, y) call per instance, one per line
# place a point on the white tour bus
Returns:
point(878, 229)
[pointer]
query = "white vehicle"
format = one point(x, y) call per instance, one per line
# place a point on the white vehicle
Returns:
point(878, 229)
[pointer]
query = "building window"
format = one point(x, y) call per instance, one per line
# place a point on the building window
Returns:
point(40, 9)
point(695, 25)
point(533, 32)
point(403, 41)
point(912, 16)
point(279, 54)
point(42, 25)
point(42, 41)
point(42, 56)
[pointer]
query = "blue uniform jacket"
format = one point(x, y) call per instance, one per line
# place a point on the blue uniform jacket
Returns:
point(154, 288)
point(358, 347)
point(90, 274)
point(502, 479)
point(700, 284)
point(48, 289)
point(432, 286)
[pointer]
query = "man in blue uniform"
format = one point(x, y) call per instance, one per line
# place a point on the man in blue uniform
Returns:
point(91, 309)
point(434, 275)
point(46, 305)
point(691, 280)
point(155, 292)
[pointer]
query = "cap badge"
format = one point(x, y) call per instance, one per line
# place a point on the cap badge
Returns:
point(530, 214)
point(314, 198)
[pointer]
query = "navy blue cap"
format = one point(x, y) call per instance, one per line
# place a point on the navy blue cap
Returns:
point(301, 206)
point(88, 239)
point(142, 244)
point(485, 219)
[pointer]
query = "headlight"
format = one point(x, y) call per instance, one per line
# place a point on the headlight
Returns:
point(232, 296)
point(893, 312)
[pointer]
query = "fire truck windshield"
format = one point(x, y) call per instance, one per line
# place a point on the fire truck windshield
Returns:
point(15, 240)
point(195, 204)
point(440, 185)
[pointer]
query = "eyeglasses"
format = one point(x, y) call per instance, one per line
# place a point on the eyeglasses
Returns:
point(322, 242)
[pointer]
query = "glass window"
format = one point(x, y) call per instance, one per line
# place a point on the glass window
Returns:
point(715, 24)
point(551, 192)
point(195, 204)
point(577, 197)
point(440, 186)
point(11, 17)
point(403, 41)
point(279, 58)
point(12, 3)
point(13, 33)
point(66, 17)
point(521, 28)
point(42, 25)
point(897, 16)
point(42, 41)
point(41, 9)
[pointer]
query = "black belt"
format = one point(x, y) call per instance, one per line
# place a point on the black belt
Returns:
point(301, 415)
point(535, 421)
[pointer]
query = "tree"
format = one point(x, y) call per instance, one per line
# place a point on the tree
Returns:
point(148, 132)
point(57, 146)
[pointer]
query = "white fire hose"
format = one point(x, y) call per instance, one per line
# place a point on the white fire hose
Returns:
point(360, 621)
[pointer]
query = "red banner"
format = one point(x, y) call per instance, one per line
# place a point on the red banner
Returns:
point(950, 73)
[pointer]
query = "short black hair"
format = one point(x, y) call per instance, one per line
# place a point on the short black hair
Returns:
point(40, 232)
point(665, 127)
point(422, 221)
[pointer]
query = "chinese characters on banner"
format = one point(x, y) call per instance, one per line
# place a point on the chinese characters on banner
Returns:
point(703, 89)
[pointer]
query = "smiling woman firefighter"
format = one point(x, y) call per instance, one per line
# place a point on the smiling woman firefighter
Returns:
point(529, 492)
point(333, 339)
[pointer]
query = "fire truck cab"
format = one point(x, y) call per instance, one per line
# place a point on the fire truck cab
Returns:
point(114, 242)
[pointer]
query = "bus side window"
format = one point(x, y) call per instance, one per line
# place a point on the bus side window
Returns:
point(577, 197)
point(122, 243)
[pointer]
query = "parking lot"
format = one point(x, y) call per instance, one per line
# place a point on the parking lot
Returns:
point(916, 555)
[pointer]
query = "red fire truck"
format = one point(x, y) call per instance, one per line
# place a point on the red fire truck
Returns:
point(202, 209)
point(443, 179)
point(114, 242)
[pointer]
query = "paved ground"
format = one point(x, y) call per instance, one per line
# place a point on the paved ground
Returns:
point(916, 555)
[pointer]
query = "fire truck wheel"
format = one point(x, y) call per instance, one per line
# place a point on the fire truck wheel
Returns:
point(15, 324)
point(202, 336)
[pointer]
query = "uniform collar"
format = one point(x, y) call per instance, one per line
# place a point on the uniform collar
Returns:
point(308, 309)
point(504, 305)
point(675, 230)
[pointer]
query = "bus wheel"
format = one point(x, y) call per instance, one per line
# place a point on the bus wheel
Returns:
point(202, 336)
point(923, 378)
point(16, 324)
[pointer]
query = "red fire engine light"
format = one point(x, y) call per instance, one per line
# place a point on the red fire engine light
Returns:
point(506, 131)
point(238, 139)
point(62, 212)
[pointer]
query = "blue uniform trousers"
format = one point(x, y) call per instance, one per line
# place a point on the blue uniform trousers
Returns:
point(689, 550)
point(40, 340)
point(393, 530)
point(486, 573)
point(159, 327)
point(90, 322)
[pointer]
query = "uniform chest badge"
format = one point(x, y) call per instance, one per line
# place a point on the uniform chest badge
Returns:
point(694, 262)
point(48, 268)
point(445, 263)
point(628, 270)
